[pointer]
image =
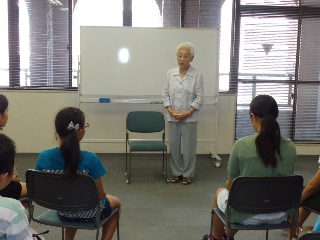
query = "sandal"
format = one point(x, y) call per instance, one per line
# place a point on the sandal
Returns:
point(208, 237)
point(186, 181)
point(176, 179)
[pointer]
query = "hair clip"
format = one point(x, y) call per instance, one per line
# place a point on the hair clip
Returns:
point(71, 126)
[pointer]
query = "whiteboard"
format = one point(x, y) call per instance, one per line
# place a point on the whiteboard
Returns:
point(149, 52)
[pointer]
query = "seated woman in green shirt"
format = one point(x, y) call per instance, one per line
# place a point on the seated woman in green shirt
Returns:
point(266, 153)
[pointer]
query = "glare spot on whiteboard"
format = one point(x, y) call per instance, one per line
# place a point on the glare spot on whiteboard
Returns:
point(123, 55)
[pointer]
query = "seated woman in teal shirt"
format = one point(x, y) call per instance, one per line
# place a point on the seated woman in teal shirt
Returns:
point(68, 159)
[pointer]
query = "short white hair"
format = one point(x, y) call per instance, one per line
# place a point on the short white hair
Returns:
point(186, 45)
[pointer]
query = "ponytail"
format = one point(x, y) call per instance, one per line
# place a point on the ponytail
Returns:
point(68, 121)
point(70, 150)
point(268, 141)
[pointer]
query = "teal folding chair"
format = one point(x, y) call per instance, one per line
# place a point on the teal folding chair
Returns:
point(54, 192)
point(145, 122)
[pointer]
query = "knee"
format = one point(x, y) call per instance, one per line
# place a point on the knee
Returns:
point(215, 203)
point(114, 202)
point(118, 205)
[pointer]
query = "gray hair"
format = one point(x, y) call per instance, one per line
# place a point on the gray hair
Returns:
point(186, 45)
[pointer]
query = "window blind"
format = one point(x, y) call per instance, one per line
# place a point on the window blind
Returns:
point(271, 48)
point(43, 47)
point(275, 53)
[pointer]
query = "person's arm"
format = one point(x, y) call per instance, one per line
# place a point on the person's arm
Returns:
point(182, 115)
point(198, 99)
point(312, 187)
point(169, 109)
point(188, 113)
point(15, 176)
point(229, 184)
point(199, 93)
point(165, 91)
point(102, 193)
point(233, 168)
point(166, 96)
point(19, 227)
point(97, 170)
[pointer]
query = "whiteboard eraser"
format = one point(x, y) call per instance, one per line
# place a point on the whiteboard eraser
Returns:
point(104, 100)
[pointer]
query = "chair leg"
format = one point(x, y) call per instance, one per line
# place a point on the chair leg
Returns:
point(126, 173)
point(267, 234)
point(211, 225)
point(126, 152)
point(118, 230)
point(166, 167)
point(126, 160)
point(97, 234)
point(129, 174)
point(163, 162)
point(62, 233)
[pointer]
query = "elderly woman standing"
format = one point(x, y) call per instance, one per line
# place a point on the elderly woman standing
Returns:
point(183, 96)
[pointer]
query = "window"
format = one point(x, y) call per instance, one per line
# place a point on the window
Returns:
point(86, 13)
point(44, 35)
point(139, 14)
point(4, 59)
point(43, 41)
point(225, 44)
point(276, 54)
point(24, 46)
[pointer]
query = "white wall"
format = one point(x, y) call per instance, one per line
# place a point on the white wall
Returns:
point(31, 123)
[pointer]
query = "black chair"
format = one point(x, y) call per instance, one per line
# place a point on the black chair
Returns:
point(310, 236)
point(262, 195)
point(141, 123)
point(26, 202)
point(54, 192)
point(310, 209)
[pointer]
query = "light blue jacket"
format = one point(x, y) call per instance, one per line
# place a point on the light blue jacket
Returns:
point(181, 95)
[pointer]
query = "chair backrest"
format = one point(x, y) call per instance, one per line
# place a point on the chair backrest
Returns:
point(265, 194)
point(309, 236)
point(145, 121)
point(52, 190)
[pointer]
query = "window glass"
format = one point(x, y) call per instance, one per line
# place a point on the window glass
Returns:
point(4, 51)
point(225, 43)
point(146, 9)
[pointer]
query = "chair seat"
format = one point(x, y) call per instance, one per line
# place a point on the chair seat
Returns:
point(51, 218)
point(222, 216)
point(147, 146)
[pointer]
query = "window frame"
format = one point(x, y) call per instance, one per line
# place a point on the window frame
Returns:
point(297, 12)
